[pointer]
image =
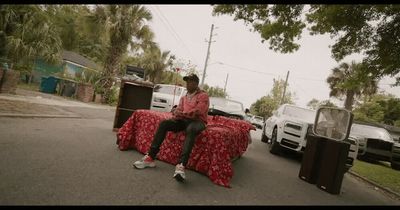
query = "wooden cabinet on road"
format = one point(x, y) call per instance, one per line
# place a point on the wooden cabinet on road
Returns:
point(133, 95)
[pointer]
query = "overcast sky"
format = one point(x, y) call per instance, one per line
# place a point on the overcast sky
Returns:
point(251, 65)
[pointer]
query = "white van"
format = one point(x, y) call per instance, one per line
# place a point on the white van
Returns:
point(166, 96)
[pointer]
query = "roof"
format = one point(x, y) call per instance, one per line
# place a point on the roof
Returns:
point(79, 59)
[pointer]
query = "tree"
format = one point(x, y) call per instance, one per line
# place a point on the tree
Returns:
point(155, 62)
point(266, 104)
point(380, 108)
point(30, 34)
point(178, 66)
point(391, 111)
point(172, 78)
point(215, 91)
point(369, 112)
point(314, 104)
point(127, 27)
point(372, 30)
point(82, 30)
point(349, 81)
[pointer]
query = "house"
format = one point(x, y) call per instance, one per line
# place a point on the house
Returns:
point(71, 65)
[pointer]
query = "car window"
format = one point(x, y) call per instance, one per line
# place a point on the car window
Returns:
point(301, 113)
point(168, 89)
point(225, 104)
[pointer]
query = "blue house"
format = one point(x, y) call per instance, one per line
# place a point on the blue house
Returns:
point(72, 65)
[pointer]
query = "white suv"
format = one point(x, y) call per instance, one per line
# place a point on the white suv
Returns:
point(288, 127)
point(166, 96)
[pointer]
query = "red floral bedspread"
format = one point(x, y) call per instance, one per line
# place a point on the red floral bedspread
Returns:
point(215, 147)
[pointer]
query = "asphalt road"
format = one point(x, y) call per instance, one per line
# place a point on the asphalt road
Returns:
point(68, 161)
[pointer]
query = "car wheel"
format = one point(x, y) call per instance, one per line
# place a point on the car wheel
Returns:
point(274, 147)
point(264, 138)
point(395, 166)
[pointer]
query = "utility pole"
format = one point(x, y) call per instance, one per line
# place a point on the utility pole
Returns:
point(226, 81)
point(208, 54)
point(284, 88)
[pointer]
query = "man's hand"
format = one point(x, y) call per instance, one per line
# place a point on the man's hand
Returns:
point(177, 113)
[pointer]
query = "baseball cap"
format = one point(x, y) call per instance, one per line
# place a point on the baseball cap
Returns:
point(192, 77)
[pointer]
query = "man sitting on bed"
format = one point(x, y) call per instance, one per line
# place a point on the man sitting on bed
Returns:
point(190, 116)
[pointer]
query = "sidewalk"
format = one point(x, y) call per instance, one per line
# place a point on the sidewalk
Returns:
point(36, 104)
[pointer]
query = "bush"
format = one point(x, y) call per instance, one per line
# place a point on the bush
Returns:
point(113, 100)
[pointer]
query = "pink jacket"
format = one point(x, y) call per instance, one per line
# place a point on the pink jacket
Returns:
point(194, 108)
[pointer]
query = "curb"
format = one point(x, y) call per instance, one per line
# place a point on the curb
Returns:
point(387, 190)
point(37, 115)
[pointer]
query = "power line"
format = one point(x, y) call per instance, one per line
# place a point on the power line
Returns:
point(271, 74)
point(170, 30)
point(309, 79)
point(300, 88)
point(179, 40)
point(176, 34)
point(246, 69)
point(166, 26)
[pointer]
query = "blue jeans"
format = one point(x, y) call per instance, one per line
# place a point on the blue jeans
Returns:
point(192, 129)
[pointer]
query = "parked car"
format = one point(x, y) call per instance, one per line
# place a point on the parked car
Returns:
point(248, 116)
point(166, 96)
point(287, 128)
point(226, 107)
point(257, 121)
point(376, 143)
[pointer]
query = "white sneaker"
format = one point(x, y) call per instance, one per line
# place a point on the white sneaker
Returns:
point(179, 174)
point(145, 162)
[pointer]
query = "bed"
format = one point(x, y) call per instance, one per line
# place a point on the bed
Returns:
point(224, 140)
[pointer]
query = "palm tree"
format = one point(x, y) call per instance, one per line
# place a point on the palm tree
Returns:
point(81, 30)
point(351, 81)
point(155, 62)
point(30, 34)
point(127, 27)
